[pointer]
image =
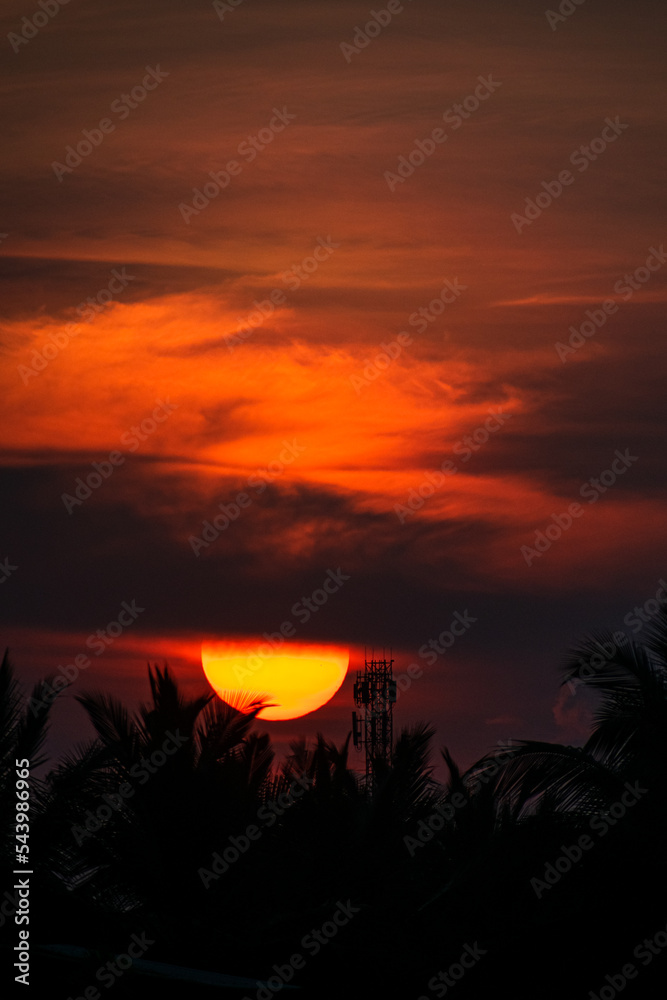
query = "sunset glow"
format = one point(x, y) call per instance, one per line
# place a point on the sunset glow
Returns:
point(333, 583)
point(310, 305)
point(295, 681)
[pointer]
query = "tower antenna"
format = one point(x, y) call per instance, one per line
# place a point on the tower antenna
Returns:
point(375, 694)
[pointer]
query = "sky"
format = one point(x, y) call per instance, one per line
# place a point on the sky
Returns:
point(394, 283)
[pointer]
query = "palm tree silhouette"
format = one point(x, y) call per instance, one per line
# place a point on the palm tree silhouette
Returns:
point(23, 730)
point(125, 829)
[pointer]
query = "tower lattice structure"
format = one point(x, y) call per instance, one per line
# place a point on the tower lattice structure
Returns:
point(372, 729)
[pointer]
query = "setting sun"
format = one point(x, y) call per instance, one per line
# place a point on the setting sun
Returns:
point(296, 679)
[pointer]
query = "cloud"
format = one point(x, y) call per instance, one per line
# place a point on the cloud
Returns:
point(368, 446)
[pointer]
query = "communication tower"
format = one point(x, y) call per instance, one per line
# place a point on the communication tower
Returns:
point(375, 693)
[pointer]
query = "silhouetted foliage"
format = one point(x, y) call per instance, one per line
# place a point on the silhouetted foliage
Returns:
point(176, 821)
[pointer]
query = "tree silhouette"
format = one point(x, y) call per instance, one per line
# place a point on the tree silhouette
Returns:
point(177, 820)
point(23, 729)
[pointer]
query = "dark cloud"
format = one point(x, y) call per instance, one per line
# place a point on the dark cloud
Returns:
point(52, 287)
point(131, 539)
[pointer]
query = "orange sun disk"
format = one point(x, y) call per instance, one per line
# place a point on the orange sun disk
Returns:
point(296, 678)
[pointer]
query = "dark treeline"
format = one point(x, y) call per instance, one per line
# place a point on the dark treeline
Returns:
point(539, 872)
